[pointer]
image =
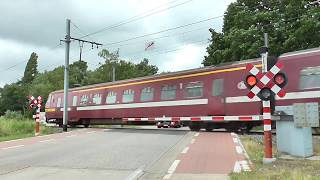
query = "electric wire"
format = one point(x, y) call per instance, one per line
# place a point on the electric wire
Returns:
point(135, 18)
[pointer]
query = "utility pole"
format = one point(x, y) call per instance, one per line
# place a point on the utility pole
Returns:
point(66, 77)
point(67, 41)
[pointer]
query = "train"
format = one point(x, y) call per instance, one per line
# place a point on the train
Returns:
point(208, 91)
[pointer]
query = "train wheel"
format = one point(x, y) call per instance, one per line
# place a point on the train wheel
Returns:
point(194, 127)
point(232, 129)
point(86, 125)
point(209, 129)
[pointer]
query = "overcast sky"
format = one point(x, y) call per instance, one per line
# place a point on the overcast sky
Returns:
point(28, 26)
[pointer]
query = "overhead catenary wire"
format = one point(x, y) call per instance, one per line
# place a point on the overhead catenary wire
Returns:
point(146, 35)
point(129, 20)
point(159, 53)
point(164, 30)
point(137, 17)
point(160, 37)
point(119, 24)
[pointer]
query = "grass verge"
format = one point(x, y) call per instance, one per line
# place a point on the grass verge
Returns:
point(15, 129)
point(280, 169)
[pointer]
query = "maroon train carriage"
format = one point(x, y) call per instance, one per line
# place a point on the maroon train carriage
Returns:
point(209, 91)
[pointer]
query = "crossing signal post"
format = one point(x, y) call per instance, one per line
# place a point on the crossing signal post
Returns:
point(36, 103)
point(266, 85)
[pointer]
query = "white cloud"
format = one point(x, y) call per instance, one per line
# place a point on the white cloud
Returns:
point(190, 56)
point(40, 25)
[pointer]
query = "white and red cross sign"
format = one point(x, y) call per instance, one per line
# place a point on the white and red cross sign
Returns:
point(35, 102)
point(264, 80)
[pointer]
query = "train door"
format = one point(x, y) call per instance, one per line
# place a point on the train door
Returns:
point(217, 97)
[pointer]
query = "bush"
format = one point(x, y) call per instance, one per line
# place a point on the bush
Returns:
point(13, 115)
point(15, 127)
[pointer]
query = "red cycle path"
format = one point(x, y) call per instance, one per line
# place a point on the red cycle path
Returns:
point(211, 153)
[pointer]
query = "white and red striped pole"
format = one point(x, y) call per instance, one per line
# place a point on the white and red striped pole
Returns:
point(266, 110)
point(37, 127)
point(267, 130)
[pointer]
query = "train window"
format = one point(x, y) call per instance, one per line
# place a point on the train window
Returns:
point(193, 89)
point(217, 87)
point(48, 100)
point(96, 99)
point(310, 78)
point(59, 102)
point(84, 100)
point(74, 101)
point(128, 95)
point(111, 97)
point(168, 92)
point(147, 94)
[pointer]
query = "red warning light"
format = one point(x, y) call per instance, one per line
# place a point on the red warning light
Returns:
point(251, 80)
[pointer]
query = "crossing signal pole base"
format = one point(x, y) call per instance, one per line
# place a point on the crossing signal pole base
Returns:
point(37, 129)
point(64, 127)
point(268, 160)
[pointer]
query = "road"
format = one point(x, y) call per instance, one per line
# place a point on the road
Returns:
point(119, 154)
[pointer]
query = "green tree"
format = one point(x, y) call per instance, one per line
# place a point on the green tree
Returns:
point(14, 98)
point(47, 82)
point(112, 58)
point(124, 70)
point(30, 71)
point(78, 73)
point(292, 25)
point(108, 56)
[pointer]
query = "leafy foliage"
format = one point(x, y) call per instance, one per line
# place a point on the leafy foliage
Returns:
point(292, 25)
point(13, 96)
point(31, 69)
point(13, 115)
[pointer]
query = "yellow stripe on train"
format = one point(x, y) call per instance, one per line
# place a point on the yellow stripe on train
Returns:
point(50, 110)
point(167, 78)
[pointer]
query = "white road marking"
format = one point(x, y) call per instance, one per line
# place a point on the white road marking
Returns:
point(71, 136)
point(173, 166)
point(192, 141)
point(197, 134)
point(14, 140)
point(237, 167)
point(171, 169)
point(244, 150)
point(90, 132)
point(235, 140)
point(167, 176)
point(47, 140)
point(239, 150)
point(185, 150)
point(11, 147)
point(136, 174)
point(244, 165)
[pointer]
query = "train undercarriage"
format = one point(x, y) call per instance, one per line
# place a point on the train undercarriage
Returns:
point(232, 126)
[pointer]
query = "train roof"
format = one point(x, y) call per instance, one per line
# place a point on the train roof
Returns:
point(201, 69)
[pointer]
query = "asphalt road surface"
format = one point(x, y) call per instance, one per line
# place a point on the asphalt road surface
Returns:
point(87, 154)
point(123, 154)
